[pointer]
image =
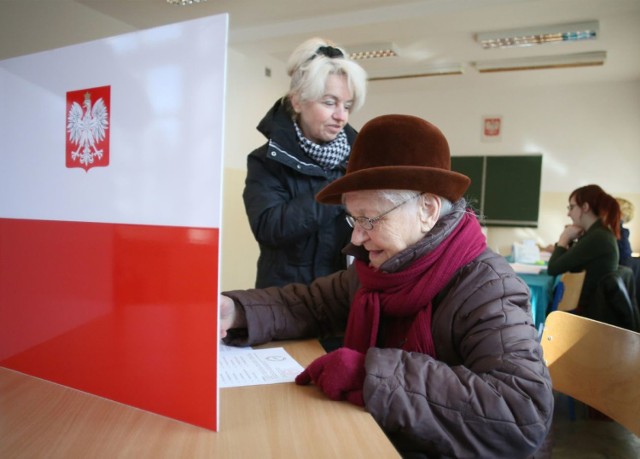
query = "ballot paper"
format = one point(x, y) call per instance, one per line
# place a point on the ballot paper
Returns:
point(246, 366)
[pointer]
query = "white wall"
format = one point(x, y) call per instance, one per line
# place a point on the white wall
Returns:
point(249, 95)
point(587, 133)
point(577, 128)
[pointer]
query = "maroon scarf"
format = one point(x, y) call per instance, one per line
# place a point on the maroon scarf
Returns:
point(405, 296)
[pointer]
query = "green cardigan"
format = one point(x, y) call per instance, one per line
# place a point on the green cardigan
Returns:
point(596, 252)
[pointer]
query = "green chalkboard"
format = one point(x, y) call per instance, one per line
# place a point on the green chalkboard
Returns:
point(505, 190)
point(472, 167)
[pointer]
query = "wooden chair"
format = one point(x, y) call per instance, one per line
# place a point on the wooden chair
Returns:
point(571, 288)
point(596, 363)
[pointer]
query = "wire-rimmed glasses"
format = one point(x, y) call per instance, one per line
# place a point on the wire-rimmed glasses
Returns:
point(367, 223)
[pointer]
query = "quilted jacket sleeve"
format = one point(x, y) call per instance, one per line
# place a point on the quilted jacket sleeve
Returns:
point(295, 311)
point(488, 394)
point(280, 203)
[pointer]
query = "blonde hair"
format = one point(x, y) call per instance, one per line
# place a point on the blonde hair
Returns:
point(310, 69)
point(626, 210)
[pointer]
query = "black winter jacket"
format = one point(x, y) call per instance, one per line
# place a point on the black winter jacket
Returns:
point(299, 238)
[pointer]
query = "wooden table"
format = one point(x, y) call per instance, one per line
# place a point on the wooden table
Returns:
point(42, 419)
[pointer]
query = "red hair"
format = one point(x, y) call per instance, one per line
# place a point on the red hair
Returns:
point(605, 206)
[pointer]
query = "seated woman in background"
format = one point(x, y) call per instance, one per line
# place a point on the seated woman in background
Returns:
point(590, 242)
point(624, 246)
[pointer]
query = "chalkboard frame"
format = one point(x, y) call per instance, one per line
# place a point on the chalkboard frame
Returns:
point(504, 190)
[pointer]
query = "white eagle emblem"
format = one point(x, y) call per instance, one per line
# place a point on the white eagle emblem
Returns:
point(87, 128)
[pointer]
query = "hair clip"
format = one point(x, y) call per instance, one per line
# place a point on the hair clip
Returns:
point(329, 51)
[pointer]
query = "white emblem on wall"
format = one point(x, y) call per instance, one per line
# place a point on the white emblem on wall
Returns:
point(87, 127)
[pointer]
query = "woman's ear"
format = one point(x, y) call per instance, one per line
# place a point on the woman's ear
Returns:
point(430, 206)
point(295, 103)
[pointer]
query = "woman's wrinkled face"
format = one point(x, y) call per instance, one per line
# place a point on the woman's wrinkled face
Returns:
point(322, 120)
point(395, 231)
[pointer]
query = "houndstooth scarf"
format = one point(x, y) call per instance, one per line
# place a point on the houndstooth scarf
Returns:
point(330, 155)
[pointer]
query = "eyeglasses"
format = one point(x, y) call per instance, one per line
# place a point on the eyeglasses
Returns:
point(571, 206)
point(367, 223)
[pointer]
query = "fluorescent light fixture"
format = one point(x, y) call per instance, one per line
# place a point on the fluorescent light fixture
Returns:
point(542, 62)
point(184, 2)
point(539, 35)
point(372, 51)
point(416, 72)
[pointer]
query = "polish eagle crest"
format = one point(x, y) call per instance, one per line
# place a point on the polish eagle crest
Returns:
point(87, 126)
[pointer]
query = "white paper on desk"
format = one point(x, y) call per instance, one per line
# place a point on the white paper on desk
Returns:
point(225, 348)
point(522, 268)
point(251, 367)
point(527, 252)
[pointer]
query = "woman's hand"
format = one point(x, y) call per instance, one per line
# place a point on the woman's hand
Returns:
point(570, 233)
point(340, 374)
point(227, 314)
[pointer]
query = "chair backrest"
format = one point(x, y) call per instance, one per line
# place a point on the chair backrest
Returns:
point(572, 288)
point(596, 363)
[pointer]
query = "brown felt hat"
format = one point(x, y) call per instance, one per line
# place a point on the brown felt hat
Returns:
point(398, 152)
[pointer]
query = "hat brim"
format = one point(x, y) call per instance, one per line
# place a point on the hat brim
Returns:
point(448, 184)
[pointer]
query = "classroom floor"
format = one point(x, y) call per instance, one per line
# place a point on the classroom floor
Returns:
point(587, 438)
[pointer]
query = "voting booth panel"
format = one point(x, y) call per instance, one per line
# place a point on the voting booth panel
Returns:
point(111, 177)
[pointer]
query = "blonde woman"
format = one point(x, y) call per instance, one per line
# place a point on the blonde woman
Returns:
point(308, 144)
point(624, 246)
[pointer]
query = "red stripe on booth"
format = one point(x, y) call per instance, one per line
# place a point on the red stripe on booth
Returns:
point(126, 312)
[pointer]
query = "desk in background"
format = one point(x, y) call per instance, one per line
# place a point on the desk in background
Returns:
point(39, 418)
point(541, 290)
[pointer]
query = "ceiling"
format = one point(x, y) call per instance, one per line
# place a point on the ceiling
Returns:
point(427, 33)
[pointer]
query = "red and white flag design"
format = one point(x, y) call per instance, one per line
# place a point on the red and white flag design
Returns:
point(109, 258)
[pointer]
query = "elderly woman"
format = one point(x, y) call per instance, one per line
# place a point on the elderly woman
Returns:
point(309, 142)
point(439, 342)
